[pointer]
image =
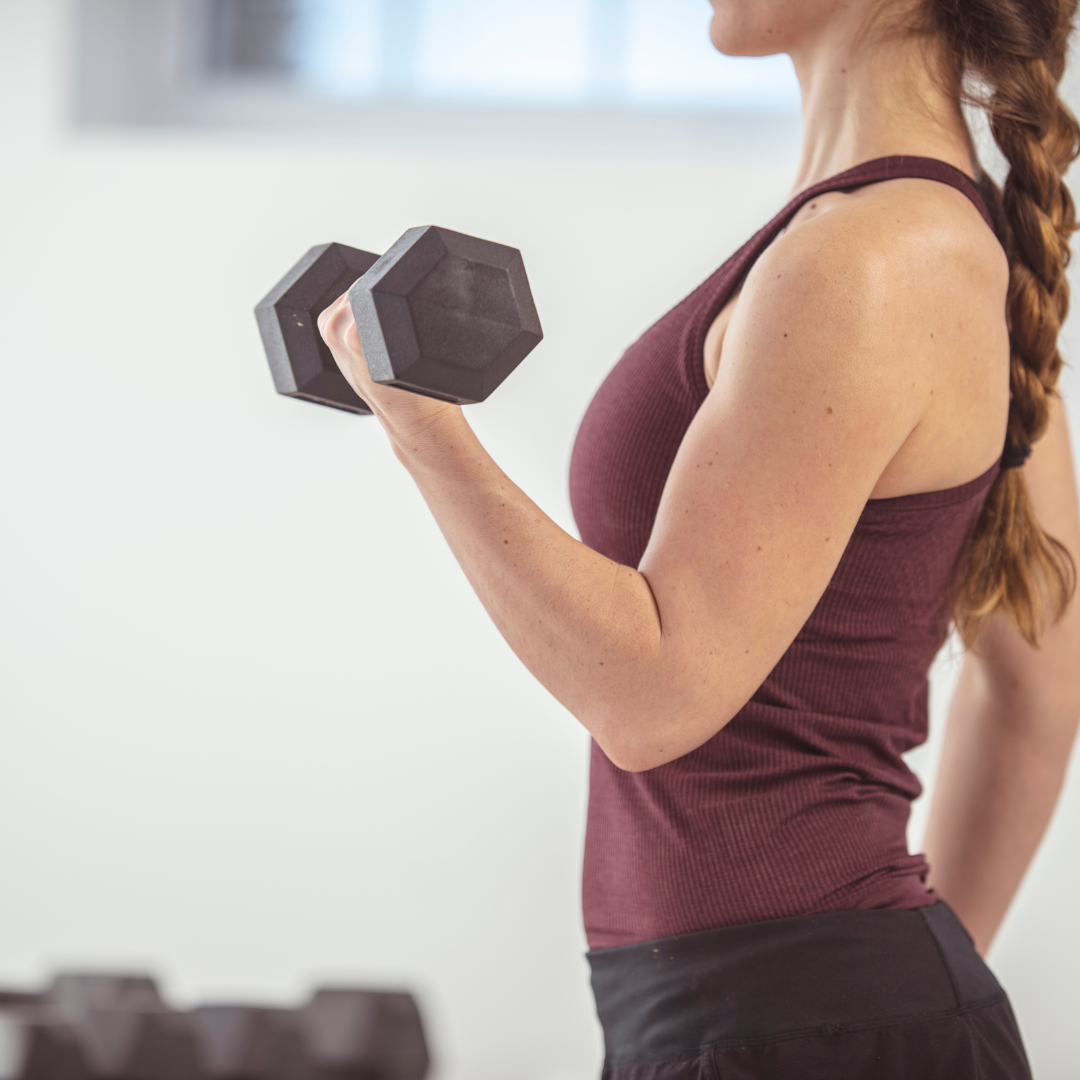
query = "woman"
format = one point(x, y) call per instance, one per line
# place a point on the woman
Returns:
point(845, 437)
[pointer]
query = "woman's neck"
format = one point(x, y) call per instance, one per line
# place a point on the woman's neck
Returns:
point(865, 98)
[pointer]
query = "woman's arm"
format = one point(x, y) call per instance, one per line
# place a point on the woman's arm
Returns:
point(817, 391)
point(1011, 727)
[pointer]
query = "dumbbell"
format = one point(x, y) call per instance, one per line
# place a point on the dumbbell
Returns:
point(90, 1027)
point(116, 1027)
point(244, 1042)
point(353, 1034)
point(340, 1034)
point(137, 1044)
point(35, 1044)
point(73, 994)
point(441, 314)
point(124, 1028)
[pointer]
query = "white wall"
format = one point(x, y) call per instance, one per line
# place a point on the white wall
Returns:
point(257, 731)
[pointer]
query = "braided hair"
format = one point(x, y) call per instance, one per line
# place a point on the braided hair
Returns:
point(1007, 57)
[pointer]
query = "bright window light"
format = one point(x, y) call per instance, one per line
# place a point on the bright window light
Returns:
point(336, 46)
point(652, 54)
point(671, 61)
point(504, 50)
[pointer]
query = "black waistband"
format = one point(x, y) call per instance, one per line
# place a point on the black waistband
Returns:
point(668, 998)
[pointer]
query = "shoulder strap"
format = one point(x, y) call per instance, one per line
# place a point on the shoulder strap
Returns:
point(869, 172)
point(893, 168)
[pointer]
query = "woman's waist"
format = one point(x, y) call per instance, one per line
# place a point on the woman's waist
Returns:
point(659, 867)
point(772, 764)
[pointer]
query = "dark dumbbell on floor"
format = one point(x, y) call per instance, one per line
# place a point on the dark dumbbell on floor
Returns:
point(104, 1027)
point(36, 1045)
point(124, 1028)
point(340, 1034)
point(239, 1042)
point(136, 1044)
point(440, 314)
point(357, 1034)
point(75, 994)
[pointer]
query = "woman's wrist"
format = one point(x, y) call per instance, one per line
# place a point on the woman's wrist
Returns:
point(425, 433)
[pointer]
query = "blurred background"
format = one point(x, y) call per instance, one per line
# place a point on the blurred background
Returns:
point(257, 731)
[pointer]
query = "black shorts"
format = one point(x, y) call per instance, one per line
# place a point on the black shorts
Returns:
point(848, 995)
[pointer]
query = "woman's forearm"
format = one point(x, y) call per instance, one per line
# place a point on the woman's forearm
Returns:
point(587, 627)
point(1003, 764)
point(1011, 728)
point(755, 513)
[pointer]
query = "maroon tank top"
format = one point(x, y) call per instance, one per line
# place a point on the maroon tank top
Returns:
point(800, 804)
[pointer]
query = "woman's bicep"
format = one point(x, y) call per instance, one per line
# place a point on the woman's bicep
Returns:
point(772, 476)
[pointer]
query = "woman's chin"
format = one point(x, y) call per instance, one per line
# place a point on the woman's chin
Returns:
point(728, 48)
point(732, 39)
point(728, 44)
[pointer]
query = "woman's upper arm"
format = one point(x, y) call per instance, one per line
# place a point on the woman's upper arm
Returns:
point(813, 398)
point(1049, 674)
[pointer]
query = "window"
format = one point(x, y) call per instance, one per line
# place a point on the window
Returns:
point(258, 61)
point(639, 53)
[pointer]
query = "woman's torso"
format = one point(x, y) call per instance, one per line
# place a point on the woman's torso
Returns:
point(800, 803)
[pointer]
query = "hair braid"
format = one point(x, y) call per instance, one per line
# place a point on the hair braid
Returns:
point(1008, 57)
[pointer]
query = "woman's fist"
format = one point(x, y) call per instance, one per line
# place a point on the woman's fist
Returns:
point(397, 410)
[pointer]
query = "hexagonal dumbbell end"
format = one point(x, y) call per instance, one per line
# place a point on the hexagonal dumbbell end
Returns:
point(74, 994)
point(35, 1044)
point(300, 362)
point(39, 1050)
point(445, 315)
point(364, 1035)
point(129, 1044)
point(238, 1042)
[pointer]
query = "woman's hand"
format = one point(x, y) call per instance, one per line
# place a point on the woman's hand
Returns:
point(404, 415)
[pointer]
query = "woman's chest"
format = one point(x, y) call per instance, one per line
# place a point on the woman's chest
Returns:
point(631, 433)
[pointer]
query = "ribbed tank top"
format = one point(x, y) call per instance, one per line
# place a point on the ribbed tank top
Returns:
point(800, 803)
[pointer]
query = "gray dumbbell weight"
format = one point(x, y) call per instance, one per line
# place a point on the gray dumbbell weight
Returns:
point(440, 314)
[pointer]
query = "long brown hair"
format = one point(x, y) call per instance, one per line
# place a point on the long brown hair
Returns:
point(1007, 57)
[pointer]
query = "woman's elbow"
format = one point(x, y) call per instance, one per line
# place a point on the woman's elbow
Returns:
point(635, 759)
point(636, 744)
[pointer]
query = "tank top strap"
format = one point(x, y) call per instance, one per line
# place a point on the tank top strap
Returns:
point(895, 168)
point(728, 277)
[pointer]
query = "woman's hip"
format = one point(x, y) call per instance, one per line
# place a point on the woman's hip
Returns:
point(880, 994)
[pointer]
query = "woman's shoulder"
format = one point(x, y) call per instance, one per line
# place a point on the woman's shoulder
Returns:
point(895, 292)
point(909, 264)
point(881, 253)
point(911, 230)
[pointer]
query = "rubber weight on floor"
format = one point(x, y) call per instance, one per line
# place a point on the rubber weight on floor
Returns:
point(117, 1027)
point(352, 1034)
point(72, 995)
point(133, 1044)
point(238, 1042)
point(441, 314)
point(35, 1045)
point(124, 1028)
